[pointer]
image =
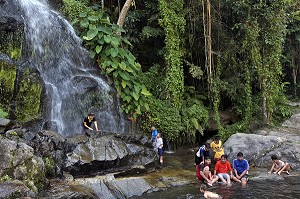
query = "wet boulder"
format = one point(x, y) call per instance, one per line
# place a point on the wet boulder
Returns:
point(15, 189)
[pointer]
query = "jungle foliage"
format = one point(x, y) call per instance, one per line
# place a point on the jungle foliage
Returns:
point(176, 61)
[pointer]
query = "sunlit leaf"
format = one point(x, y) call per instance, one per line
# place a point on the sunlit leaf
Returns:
point(98, 49)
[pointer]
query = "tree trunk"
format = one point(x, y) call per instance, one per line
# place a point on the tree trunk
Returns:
point(123, 13)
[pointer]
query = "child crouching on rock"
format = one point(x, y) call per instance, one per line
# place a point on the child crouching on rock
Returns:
point(279, 166)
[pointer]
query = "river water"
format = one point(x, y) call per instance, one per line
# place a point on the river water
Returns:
point(260, 186)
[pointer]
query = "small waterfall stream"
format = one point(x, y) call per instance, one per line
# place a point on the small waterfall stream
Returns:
point(73, 85)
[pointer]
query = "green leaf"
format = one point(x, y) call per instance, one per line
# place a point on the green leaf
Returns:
point(145, 92)
point(98, 49)
point(124, 75)
point(91, 34)
point(84, 24)
point(93, 18)
point(83, 14)
point(105, 30)
point(127, 98)
point(122, 65)
point(147, 107)
point(115, 41)
point(129, 69)
point(123, 83)
point(92, 54)
point(114, 51)
point(127, 42)
point(107, 38)
point(135, 95)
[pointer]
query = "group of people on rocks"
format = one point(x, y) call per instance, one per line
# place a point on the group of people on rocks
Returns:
point(223, 170)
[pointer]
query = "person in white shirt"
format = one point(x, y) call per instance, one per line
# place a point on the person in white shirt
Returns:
point(159, 146)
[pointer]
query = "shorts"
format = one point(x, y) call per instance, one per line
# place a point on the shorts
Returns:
point(246, 176)
point(224, 175)
point(199, 176)
point(160, 151)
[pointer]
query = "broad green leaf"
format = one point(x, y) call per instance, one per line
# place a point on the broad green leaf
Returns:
point(93, 18)
point(107, 52)
point(137, 88)
point(92, 33)
point(115, 41)
point(135, 95)
point(105, 30)
point(92, 26)
point(83, 14)
point(84, 24)
point(114, 52)
point(115, 74)
point(145, 92)
point(129, 69)
point(123, 83)
point(98, 49)
point(138, 109)
point(107, 38)
point(122, 65)
point(130, 58)
point(109, 70)
point(115, 65)
point(124, 75)
point(127, 98)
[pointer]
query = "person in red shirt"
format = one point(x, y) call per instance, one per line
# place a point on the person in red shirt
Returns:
point(222, 168)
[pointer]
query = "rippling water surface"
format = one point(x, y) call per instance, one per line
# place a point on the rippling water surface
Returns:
point(277, 188)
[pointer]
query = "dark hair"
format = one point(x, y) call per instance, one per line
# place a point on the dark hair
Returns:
point(274, 157)
point(207, 145)
point(240, 154)
point(203, 186)
point(224, 156)
point(91, 114)
point(207, 158)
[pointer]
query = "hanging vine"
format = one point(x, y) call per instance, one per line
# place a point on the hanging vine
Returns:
point(173, 22)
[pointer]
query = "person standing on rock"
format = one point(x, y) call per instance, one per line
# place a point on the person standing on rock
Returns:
point(217, 148)
point(87, 123)
point(159, 146)
point(154, 133)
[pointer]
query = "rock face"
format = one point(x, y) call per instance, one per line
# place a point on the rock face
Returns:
point(107, 153)
point(258, 147)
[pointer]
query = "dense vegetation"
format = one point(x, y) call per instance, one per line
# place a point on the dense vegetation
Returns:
point(175, 63)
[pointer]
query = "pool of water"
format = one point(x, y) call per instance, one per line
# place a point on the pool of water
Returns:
point(277, 188)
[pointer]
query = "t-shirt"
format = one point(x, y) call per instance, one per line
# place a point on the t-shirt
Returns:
point(202, 152)
point(240, 166)
point(159, 143)
point(218, 149)
point(222, 168)
point(88, 122)
point(202, 166)
point(154, 134)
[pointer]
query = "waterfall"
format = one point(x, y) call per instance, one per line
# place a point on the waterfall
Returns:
point(73, 84)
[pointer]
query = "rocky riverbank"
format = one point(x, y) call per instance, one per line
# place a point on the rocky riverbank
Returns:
point(45, 164)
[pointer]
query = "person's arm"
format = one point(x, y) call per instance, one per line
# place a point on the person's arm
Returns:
point(272, 168)
point(242, 174)
point(86, 126)
point(203, 176)
point(96, 126)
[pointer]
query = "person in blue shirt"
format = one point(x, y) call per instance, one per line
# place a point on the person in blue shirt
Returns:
point(154, 134)
point(240, 168)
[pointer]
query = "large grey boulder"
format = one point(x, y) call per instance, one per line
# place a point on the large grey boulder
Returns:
point(106, 154)
point(259, 146)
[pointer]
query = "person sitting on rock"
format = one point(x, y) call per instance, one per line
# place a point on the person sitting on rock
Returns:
point(209, 194)
point(203, 172)
point(240, 168)
point(279, 166)
point(217, 148)
point(222, 168)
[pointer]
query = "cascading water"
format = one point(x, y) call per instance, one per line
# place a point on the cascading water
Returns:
point(72, 83)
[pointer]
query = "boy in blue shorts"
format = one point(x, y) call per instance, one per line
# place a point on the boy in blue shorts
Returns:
point(240, 169)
